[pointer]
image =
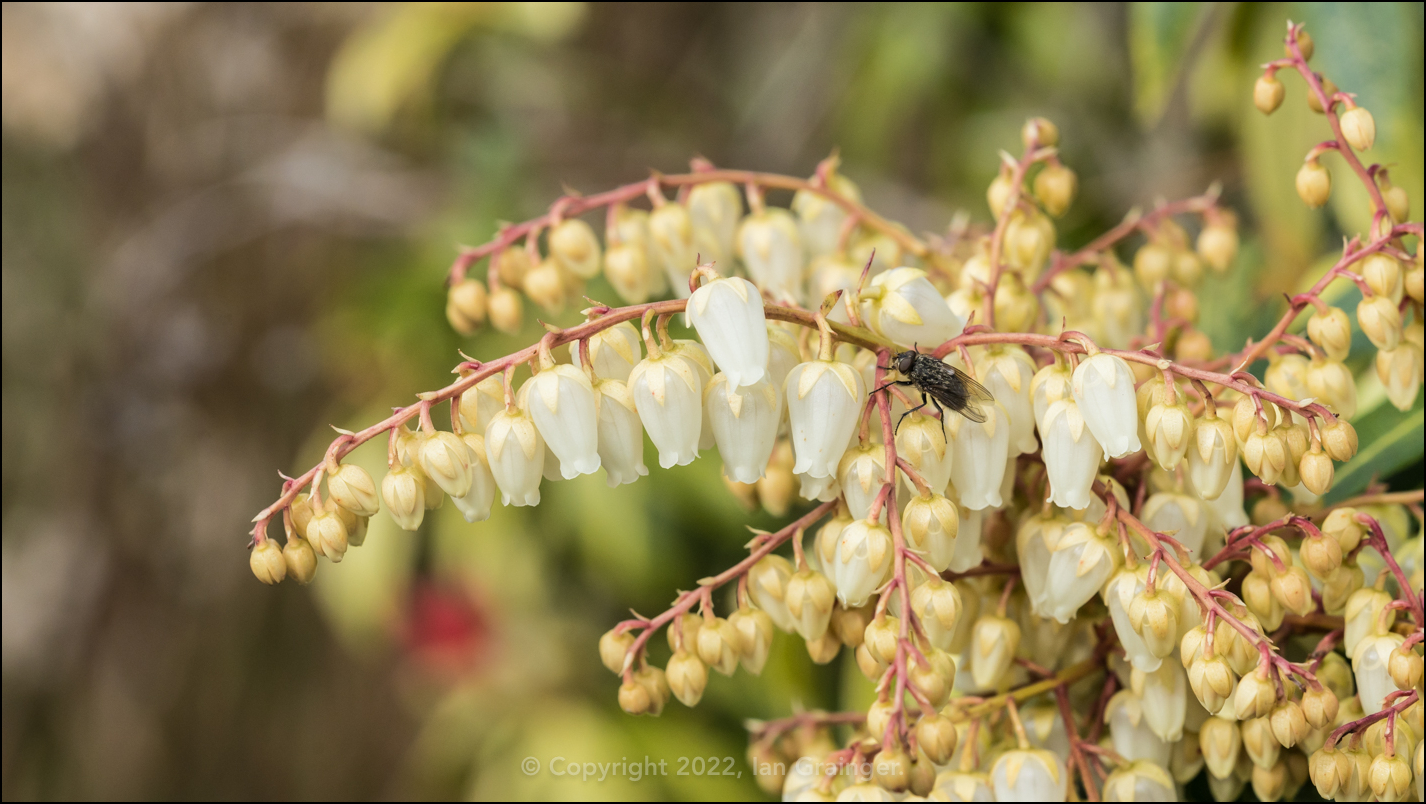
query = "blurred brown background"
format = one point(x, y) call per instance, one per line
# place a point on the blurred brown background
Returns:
point(225, 226)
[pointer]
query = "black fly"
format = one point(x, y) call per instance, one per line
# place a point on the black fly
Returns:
point(941, 385)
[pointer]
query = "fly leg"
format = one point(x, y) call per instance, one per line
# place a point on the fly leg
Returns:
point(937, 403)
point(909, 412)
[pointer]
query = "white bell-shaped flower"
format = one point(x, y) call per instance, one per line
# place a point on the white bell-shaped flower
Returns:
point(715, 209)
point(1104, 388)
point(922, 442)
point(968, 551)
point(621, 434)
point(954, 785)
point(1071, 455)
point(671, 244)
point(1140, 781)
point(771, 248)
point(1118, 593)
point(1027, 775)
point(1212, 454)
point(931, 523)
point(669, 398)
point(1006, 372)
point(824, 399)
point(612, 352)
point(517, 456)
point(744, 422)
point(979, 454)
point(1369, 665)
point(782, 356)
point(1049, 385)
point(1227, 507)
point(480, 404)
point(696, 355)
point(861, 562)
point(475, 505)
point(1081, 561)
point(822, 489)
point(1180, 516)
point(1035, 541)
point(861, 475)
point(905, 307)
point(1164, 699)
point(566, 411)
point(1130, 733)
point(819, 218)
point(728, 314)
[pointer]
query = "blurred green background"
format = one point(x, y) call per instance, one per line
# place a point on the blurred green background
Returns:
point(226, 226)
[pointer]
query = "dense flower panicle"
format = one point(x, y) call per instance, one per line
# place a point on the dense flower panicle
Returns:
point(744, 422)
point(728, 314)
point(517, 456)
point(824, 399)
point(668, 396)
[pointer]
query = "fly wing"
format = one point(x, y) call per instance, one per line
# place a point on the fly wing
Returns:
point(975, 393)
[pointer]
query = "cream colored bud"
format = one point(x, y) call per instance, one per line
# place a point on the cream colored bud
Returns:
point(1293, 590)
point(634, 698)
point(870, 667)
point(755, 630)
point(881, 636)
point(1359, 128)
point(328, 535)
point(687, 677)
point(1289, 726)
point(1191, 645)
point(997, 195)
point(1332, 332)
point(994, 641)
point(850, 624)
point(1268, 92)
point(655, 683)
point(511, 265)
point(891, 770)
point(1257, 595)
point(1152, 264)
point(778, 483)
point(1332, 384)
point(1265, 455)
point(1255, 695)
point(935, 677)
point(301, 514)
point(936, 737)
point(1414, 282)
point(1339, 439)
point(1258, 740)
point(404, 491)
point(719, 645)
point(1329, 88)
point(1269, 783)
point(1170, 430)
point(1398, 203)
point(353, 489)
point(1390, 778)
point(1319, 707)
point(1304, 44)
point(1055, 188)
point(1321, 555)
point(545, 285)
point(1039, 133)
point(466, 305)
point(1404, 665)
point(1211, 680)
point(614, 645)
point(574, 244)
point(626, 266)
point(1220, 742)
point(1314, 183)
point(684, 628)
point(267, 563)
point(1218, 245)
point(1380, 321)
point(1154, 617)
point(506, 308)
point(1187, 272)
point(1383, 275)
point(810, 597)
point(1400, 371)
point(938, 605)
point(1316, 471)
point(300, 559)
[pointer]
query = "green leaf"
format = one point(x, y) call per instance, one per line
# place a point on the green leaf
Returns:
point(1159, 37)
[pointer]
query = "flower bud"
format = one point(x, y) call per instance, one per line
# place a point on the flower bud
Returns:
point(1358, 128)
point(1220, 742)
point(871, 668)
point(997, 195)
point(1155, 618)
point(1289, 726)
point(1414, 282)
point(614, 645)
point(1152, 264)
point(1218, 244)
point(850, 624)
point(1329, 88)
point(627, 268)
point(1330, 770)
point(1211, 680)
point(1382, 273)
point(922, 443)
point(1258, 740)
point(771, 249)
point(268, 564)
point(655, 683)
point(810, 597)
point(1293, 590)
point(545, 284)
point(576, 248)
point(994, 641)
point(825, 648)
point(1400, 371)
point(1332, 384)
point(1332, 332)
point(1267, 93)
point(930, 524)
point(506, 312)
point(1314, 183)
point(1319, 707)
point(719, 645)
point(1270, 782)
point(1389, 778)
point(516, 453)
point(1316, 471)
point(861, 562)
point(980, 453)
point(1339, 439)
point(938, 605)
point(1028, 775)
point(775, 487)
point(465, 305)
point(767, 585)
point(634, 698)
point(1255, 695)
point(755, 629)
point(1404, 666)
point(328, 535)
point(1141, 780)
point(1169, 429)
point(687, 677)
point(1055, 188)
point(1321, 555)
point(1370, 664)
point(300, 560)
point(891, 770)
point(1103, 388)
point(1380, 321)
point(1039, 132)
point(1265, 455)
point(935, 677)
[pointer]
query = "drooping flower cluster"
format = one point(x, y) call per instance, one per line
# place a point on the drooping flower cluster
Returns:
point(1058, 590)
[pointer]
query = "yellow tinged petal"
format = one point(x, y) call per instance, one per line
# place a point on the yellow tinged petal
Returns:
point(899, 308)
point(811, 372)
point(548, 384)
